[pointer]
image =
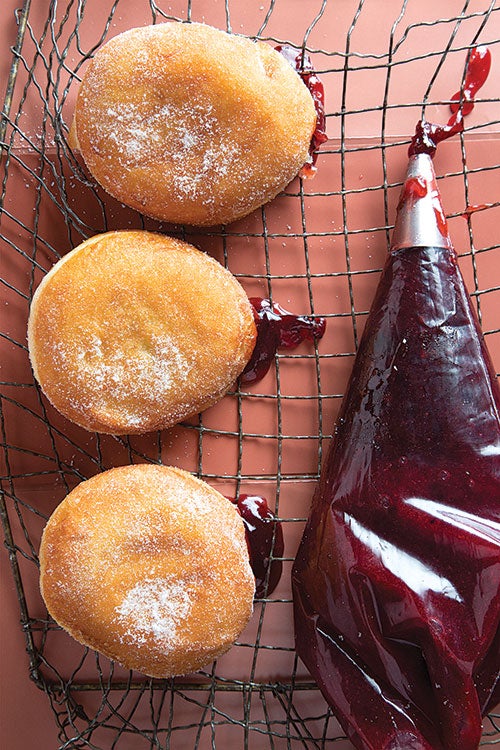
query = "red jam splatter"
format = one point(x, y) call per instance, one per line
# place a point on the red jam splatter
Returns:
point(264, 540)
point(427, 134)
point(301, 62)
point(277, 328)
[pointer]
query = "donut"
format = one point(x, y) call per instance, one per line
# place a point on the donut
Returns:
point(149, 566)
point(188, 124)
point(133, 331)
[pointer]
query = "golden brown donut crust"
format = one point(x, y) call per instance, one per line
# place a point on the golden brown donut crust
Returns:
point(134, 331)
point(188, 124)
point(149, 566)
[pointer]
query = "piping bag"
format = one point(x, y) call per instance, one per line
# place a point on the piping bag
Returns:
point(396, 583)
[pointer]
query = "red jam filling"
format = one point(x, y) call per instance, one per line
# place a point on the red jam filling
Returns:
point(264, 540)
point(301, 62)
point(277, 328)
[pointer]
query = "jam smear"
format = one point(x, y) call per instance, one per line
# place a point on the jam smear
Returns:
point(427, 134)
point(264, 535)
point(301, 62)
point(277, 328)
point(441, 218)
point(413, 189)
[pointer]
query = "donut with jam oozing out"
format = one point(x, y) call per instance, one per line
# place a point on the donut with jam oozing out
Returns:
point(148, 565)
point(301, 62)
point(191, 125)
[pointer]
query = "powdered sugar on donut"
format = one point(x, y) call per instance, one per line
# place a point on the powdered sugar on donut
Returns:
point(119, 378)
point(140, 141)
point(155, 608)
point(155, 366)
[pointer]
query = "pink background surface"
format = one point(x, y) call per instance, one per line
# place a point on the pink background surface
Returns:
point(27, 721)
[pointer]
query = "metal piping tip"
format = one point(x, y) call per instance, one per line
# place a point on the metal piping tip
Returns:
point(420, 220)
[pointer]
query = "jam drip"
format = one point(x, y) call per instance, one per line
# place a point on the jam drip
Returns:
point(277, 328)
point(427, 134)
point(474, 209)
point(264, 540)
point(396, 581)
point(301, 62)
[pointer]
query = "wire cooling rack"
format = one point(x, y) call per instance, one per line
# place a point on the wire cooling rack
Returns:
point(317, 249)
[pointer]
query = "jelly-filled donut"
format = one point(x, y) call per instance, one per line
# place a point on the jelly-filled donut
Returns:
point(134, 331)
point(189, 124)
point(149, 566)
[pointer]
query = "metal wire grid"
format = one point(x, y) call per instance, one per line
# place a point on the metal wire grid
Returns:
point(96, 705)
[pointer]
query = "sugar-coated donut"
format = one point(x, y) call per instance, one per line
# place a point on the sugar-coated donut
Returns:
point(134, 331)
point(149, 566)
point(189, 124)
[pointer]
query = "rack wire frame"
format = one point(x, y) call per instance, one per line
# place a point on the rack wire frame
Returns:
point(112, 707)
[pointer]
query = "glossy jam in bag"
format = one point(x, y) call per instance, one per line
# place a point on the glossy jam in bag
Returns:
point(396, 581)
